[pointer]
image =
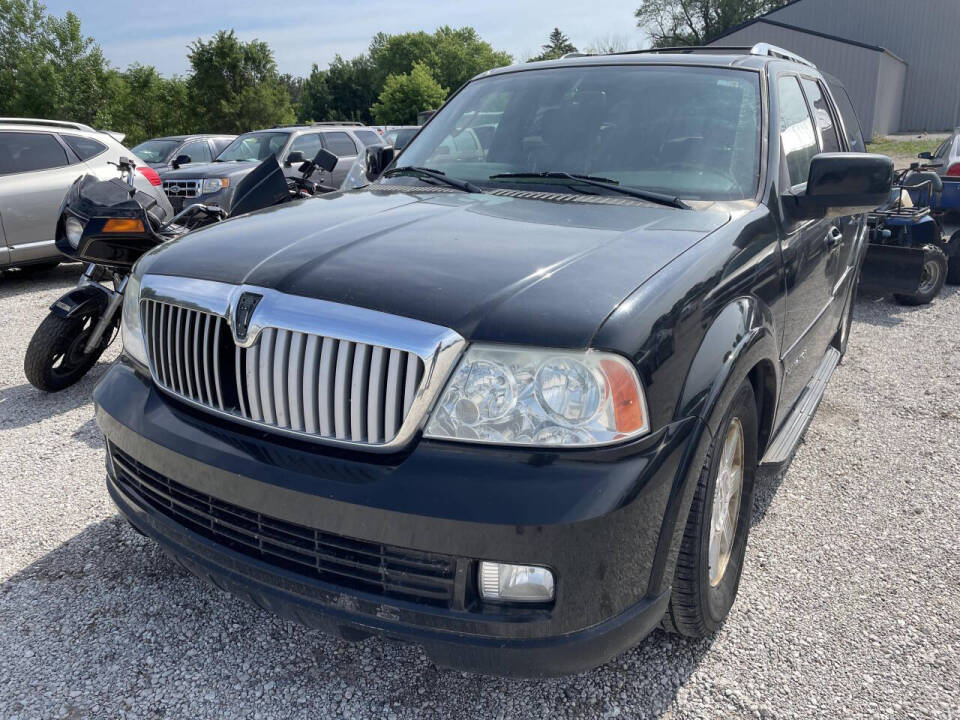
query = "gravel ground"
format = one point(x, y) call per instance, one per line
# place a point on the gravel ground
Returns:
point(848, 607)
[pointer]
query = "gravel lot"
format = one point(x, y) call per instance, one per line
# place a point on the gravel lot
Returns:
point(849, 605)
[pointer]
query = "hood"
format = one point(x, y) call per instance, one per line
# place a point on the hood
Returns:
point(193, 171)
point(493, 268)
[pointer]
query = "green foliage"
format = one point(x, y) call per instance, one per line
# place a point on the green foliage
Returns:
point(557, 46)
point(235, 85)
point(49, 69)
point(452, 56)
point(406, 94)
point(697, 22)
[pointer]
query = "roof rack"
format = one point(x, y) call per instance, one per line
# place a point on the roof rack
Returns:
point(760, 49)
point(48, 123)
point(331, 123)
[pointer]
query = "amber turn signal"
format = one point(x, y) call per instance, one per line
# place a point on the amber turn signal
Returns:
point(123, 225)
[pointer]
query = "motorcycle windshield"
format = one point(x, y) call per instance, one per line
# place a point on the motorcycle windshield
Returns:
point(357, 175)
point(264, 186)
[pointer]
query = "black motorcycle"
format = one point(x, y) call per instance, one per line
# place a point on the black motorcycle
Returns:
point(109, 225)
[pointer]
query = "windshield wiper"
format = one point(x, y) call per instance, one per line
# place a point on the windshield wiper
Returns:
point(437, 175)
point(607, 183)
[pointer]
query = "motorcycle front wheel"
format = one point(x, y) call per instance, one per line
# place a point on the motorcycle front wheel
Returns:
point(55, 358)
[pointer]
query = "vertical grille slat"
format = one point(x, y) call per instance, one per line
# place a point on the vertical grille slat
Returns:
point(295, 382)
point(341, 390)
point(378, 376)
point(288, 379)
point(311, 370)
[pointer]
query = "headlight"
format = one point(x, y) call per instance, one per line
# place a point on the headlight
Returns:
point(212, 185)
point(73, 228)
point(130, 330)
point(515, 396)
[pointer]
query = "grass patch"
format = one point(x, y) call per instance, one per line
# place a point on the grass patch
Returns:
point(903, 147)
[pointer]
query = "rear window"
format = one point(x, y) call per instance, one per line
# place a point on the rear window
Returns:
point(851, 123)
point(340, 144)
point(368, 137)
point(84, 147)
point(25, 152)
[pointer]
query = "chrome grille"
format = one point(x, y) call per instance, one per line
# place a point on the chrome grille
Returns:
point(181, 188)
point(294, 381)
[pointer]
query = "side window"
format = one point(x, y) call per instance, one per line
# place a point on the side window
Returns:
point(220, 144)
point(25, 152)
point(944, 148)
point(829, 140)
point(368, 137)
point(198, 151)
point(340, 144)
point(798, 140)
point(84, 147)
point(308, 144)
point(850, 121)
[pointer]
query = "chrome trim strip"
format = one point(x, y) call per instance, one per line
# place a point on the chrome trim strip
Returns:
point(438, 347)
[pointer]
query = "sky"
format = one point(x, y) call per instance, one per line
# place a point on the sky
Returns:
point(303, 33)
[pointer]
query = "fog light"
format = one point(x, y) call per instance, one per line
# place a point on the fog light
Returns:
point(74, 231)
point(515, 583)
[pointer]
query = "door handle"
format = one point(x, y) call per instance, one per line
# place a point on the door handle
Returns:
point(833, 239)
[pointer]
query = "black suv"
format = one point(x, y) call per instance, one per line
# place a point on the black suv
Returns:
point(510, 403)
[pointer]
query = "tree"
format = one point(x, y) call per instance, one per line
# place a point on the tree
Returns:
point(235, 86)
point(610, 44)
point(557, 46)
point(453, 56)
point(697, 22)
point(352, 89)
point(314, 96)
point(405, 95)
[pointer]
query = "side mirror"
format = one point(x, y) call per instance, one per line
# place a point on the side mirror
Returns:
point(295, 157)
point(925, 155)
point(325, 160)
point(378, 159)
point(181, 160)
point(842, 184)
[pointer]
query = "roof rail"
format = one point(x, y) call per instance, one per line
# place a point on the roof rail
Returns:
point(348, 123)
point(777, 52)
point(49, 123)
point(575, 54)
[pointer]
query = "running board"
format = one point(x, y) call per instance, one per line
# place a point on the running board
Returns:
point(782, 447)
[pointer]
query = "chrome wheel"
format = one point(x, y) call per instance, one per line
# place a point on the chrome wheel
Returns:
point(929, 277)
point(726, 502)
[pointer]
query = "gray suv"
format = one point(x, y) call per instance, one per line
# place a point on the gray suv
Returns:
point(168, 152)
point(39, 159)
point(214, 183)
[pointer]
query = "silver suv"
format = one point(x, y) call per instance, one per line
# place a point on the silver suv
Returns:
point(213, 183)
point(39, 159)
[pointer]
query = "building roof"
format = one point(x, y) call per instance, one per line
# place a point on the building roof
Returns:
point(767, 21)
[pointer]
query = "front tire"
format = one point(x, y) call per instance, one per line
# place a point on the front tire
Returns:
point(715, 538)
point(55, 359)
point(931, 282)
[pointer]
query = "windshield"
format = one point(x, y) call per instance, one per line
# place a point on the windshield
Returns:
point(155, 151)
point(687, 132)
point(254, 146)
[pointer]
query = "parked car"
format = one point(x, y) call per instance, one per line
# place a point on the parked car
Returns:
point(508, 407)
point(400, 135)
point(171, 152)
point(39, 160)
point(213, 183)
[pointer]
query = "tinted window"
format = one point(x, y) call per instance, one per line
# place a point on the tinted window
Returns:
point(944, 148)
point(84, 147)
point(692, 132)
point(308, 144)
point(829, 139)
point(24, 152)
point(254, 146)
point(798, 140)
point(156, 151)
point(340, 144)
point(850, 121)
point(198, 151)
point(368, 137)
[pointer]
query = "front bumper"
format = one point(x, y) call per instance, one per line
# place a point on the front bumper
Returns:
point(598, 519)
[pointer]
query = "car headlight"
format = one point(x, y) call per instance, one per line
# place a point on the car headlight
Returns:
point(73, 229)
point(130, 330)
point(212, 185)
point(532, 396)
